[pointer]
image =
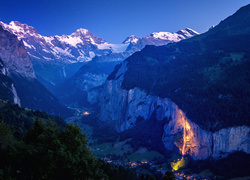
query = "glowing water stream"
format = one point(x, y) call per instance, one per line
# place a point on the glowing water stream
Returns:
point(181, 162)
point(190, 142)
point(184, 139)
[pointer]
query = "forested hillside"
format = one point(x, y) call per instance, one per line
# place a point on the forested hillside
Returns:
point(35, 145)
point(207, 76)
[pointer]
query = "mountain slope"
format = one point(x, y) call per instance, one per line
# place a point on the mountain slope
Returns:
point(208, 73)
point(18, 73)
point(198, 87)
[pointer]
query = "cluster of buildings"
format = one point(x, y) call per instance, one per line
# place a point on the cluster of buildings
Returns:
point(127, 164)
point(183, 176)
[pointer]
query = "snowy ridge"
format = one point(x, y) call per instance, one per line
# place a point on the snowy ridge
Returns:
point(115, 48)
point(20, 30)
point(82, 45)
point(182, 34)
point(131, 39)
point(158, 39)
point(166, 36)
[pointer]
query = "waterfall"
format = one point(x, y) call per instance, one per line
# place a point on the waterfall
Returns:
point(184, 139)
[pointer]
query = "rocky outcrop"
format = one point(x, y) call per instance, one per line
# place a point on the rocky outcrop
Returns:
point(94, 95)
point(231, 139)
point(114, 97)
point(121, 109)
point(7, 88)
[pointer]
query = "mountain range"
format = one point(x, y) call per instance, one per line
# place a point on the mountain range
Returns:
point(82, 45)
point(58, 60)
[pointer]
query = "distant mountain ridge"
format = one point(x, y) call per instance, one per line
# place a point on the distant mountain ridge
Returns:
point(82, 45)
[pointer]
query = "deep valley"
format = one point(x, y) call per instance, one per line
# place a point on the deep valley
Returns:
point(163, 106)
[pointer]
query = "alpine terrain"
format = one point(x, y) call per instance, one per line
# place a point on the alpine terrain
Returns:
point(164, 106)
point(79, 89)
point(195, 92)
point(18, 80)
point(56, 58)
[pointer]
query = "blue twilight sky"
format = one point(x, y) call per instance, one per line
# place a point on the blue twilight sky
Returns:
point(114, 20)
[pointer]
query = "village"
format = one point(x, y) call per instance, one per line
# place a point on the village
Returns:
point(152, 168)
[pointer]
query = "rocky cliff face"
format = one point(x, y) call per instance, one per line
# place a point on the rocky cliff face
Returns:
point(14, 56)
point(14, 62)
point(122, 108)
point(231, 139)
point(159, 84)
point(7, 88)
point(18, 81)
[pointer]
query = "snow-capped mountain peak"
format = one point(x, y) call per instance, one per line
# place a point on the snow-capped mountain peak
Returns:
point(81, 32)
point(79, 46)
point(131, 39)
point(181, 34)
point(165, 36)
point(82, 45)
point(20, 30)
point(187, 33)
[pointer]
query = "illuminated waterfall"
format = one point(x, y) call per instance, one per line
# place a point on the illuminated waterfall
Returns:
point(188, 137)
point(184, 139)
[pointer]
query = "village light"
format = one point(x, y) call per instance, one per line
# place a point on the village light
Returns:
point(86, 113)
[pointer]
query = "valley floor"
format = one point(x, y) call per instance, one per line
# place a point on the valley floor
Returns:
point(120, 152)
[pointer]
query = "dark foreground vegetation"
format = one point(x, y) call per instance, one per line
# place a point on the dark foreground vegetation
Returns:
point(35, 145)
point(45, 152)
point(236, 164)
